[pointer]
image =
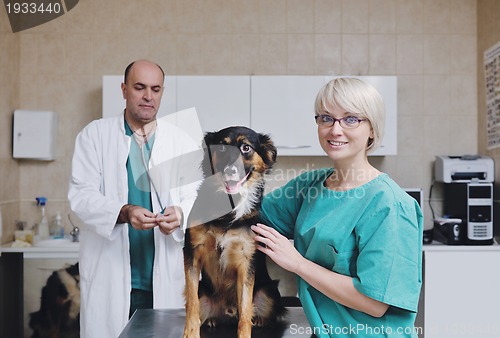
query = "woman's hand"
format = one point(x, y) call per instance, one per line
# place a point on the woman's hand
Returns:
point(170, 220)
point(277, 247)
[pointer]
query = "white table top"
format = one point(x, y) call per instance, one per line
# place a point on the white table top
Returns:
point(70, 250)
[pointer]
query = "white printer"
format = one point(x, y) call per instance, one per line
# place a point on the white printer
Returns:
point(468, 196)
point(464, 169)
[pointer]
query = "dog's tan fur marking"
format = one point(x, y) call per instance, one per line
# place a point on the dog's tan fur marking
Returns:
point(73, 289)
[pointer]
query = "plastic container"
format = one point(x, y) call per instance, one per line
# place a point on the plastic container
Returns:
point(57, 228)
point(43, 226)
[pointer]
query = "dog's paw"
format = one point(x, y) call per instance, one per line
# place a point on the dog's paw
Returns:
point(191, 332)
point(244, 330)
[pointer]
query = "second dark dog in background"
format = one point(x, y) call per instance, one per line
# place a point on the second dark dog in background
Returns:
point(59, 314)
point(235, 284)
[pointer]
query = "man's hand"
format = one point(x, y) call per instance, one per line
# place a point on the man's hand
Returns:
point(170, 220)
point(140, 218)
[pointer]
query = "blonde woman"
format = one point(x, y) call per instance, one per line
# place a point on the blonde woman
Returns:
point(357, 235)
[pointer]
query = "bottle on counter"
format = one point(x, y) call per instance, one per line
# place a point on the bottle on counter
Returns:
point(43, 226)
point(57, 228)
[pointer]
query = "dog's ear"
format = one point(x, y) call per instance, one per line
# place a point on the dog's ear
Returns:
point(209, 138)
point(269, 150)
point(207, 165)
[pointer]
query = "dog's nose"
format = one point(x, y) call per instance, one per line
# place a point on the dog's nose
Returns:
point(230, 171)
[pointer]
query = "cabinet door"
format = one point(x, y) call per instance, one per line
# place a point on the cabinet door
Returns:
point(461, 294)
point(220, 101)
point(283, 106)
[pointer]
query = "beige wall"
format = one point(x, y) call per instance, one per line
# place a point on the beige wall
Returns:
point(429, 44)
point(488, 33)
point(9, 100)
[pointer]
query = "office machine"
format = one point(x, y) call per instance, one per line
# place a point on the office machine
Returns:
point(468, 196)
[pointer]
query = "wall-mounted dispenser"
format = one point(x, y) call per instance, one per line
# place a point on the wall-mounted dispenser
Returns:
point(34, 135)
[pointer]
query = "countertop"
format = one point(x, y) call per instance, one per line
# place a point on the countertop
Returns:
point(67, 250)
point(170, 324)
point(436, 246)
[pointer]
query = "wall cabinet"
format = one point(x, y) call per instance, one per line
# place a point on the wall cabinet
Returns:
point(220, 101)
point(282, 106)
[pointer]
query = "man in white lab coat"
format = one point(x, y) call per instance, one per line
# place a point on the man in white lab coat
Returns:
point(132, 236)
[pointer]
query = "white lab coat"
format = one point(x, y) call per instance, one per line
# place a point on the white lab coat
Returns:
point(97, 191)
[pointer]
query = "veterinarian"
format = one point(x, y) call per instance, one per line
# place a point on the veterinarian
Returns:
point(357, 235)
point(131, 244)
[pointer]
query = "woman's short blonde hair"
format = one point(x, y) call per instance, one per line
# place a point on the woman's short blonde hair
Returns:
point(356, 96)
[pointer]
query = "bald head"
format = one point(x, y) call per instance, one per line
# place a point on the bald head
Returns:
point(129, 67)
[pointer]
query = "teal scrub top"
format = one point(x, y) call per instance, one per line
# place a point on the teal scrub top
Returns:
point(372, 233)
point(142, 248)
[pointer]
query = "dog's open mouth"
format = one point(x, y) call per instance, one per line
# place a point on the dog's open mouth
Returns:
point(234, 186)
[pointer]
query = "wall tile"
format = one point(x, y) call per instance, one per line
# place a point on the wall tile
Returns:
point(5, 23)
point(437, 16)
point(462, 131)
point(217, 54)
point(300, 54)
point(189, 54)
point(461, 20)
point(436, 96)
point(382, 54)
point(246, 16)
point(272, 16)
point(80, 19)
point(217, 17)
point(437, 54)
point(28, 53)
point(438, 135)
point(409, 17)
point(190, 16)
point(382, 16)
point(463, 97)
point(410, 54)
point(463, 58)
point(78, 53)
point(107, 16)
point(355, 54)
point(411, 96)
point(245, 57)
point(411, 130)
point(355, 16)
point(163, 50)
point(300, 16)
point(327, 54)
point(273, 54)
point(327, 16)
point(110, 53)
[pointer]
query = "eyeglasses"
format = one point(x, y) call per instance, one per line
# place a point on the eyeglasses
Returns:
point(348, 122)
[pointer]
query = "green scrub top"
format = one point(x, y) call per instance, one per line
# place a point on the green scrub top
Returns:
point(142, 248)
point(372, 233)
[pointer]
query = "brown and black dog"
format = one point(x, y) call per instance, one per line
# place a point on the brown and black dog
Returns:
point(235, 285)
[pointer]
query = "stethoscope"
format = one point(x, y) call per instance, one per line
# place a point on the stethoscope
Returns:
point(141, 141)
